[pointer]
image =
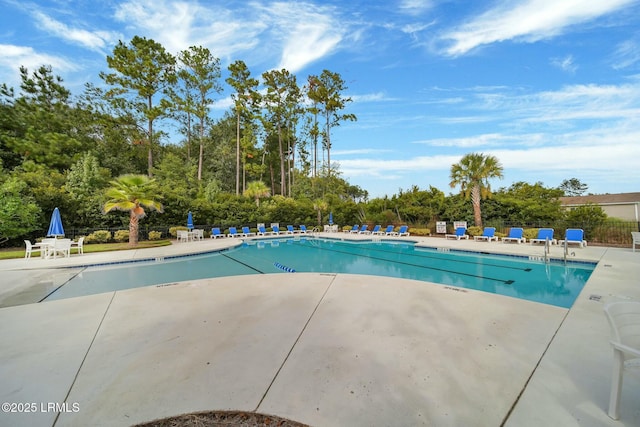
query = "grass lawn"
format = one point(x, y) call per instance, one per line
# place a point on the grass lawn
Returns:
point(8, 253)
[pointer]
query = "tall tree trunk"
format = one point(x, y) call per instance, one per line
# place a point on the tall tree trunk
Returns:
point(150, 154)
point(238, 152)
point(201, 155)
point(475, 200)
point(283, 182)
point(133, 228)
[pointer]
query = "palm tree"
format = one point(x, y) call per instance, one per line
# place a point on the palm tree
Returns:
point(257, 190)
point(131, 193)
point(472, 174)
point(320, 206)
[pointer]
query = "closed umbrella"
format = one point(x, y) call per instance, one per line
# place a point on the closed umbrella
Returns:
point(55, 226)
point(330, 218)
point(190, 221)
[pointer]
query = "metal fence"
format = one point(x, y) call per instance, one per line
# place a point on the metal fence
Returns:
point(608, 233)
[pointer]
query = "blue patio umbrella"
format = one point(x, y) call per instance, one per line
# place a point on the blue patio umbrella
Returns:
point(190, 221)
point(55, 226)
point(330, 218)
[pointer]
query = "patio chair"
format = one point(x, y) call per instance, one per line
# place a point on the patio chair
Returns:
point(635, 235)
point(488, 234)
point(30, 249)
point(233, 232)
point(574, 236)
point(404, 230)
point(215, 233)
point(516, 234)
point(198, 234)
point(461, 233)
point(303, 229)
point(543, 235)
point(63, 247)
point(290, 229)
point(363, 229)
point(247, 232)
point(376, 230)
point(624, 320)
point(262, 231)
point(354, 229)
point(79, 245)
point(275, 229)
point(183, 235)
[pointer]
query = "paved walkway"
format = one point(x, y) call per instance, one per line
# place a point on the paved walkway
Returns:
point(322, 349)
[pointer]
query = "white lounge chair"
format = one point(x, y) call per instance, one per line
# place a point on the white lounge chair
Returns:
point(624, 320)
point(574, 236)
point(461, 233)
point(516, 234)
point(544, 234)
point(488, 234)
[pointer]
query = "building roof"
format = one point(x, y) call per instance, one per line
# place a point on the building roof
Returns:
point(602, 199)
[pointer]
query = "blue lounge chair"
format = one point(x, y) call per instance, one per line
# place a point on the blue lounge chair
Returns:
point(461, 233)
point(516, 234)
point(574, 236)
point(404, 230)
point(247, 232)
point(233, 232)
point(354, 229)
point(389, 231)
point(275, 230)
point(544, 234)
point(303, 228)
point(290, 229)
point(488, 234)
point(215, 233)
point(363, 229)
point(262, 231)
point(376, 230)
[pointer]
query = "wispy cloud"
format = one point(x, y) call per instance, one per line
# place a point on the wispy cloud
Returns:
point(287, 35)
point(525, 21)
point(565, 64)
point(415, 7)
point(28, 57)
point(627, 54)
point(93, 40)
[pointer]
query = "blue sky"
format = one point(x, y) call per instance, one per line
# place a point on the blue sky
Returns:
point(549, 87)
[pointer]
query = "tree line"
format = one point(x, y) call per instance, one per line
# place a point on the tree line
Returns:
point(153, 115)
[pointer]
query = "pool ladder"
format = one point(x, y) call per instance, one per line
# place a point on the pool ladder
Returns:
point(547, 247)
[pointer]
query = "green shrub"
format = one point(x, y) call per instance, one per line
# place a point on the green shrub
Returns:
point(420, 231)
point(99, 236)
point(474, 230)
point(530, 233)
point(155, 235)
point(121, 236)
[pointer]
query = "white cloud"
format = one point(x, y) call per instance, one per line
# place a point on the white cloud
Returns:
point(627, 54)
point(415, 7)
point(288, 35)
point(28, 57)
point(566, 64)
point(525, 21)
point(96, 40)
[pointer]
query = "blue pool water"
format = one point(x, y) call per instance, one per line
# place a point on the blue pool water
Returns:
point(550, 283)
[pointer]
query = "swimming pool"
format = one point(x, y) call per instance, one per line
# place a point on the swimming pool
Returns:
point(550, 283)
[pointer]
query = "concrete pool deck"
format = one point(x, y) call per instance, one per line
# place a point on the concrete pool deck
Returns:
point(322, 349)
